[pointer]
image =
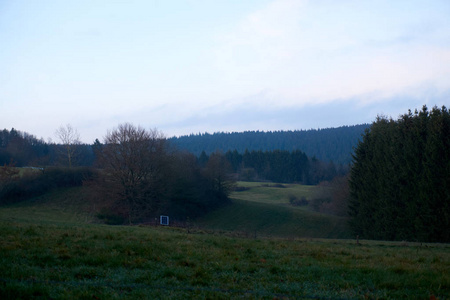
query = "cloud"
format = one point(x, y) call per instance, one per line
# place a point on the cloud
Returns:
point(196, 66)
point(244, 116)
point(306, 52)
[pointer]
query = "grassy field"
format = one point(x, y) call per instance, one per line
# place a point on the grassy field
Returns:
point(51, 249)
point(270, 193)
point(264, 210)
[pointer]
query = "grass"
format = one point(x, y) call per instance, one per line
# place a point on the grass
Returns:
point(269, 193)
point(267, 220)
point(97, 261)
point(50, 249)
point(264, 210)
point(67, 205)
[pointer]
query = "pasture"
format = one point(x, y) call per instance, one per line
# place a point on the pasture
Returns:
point(263, 209)
point(52, 248)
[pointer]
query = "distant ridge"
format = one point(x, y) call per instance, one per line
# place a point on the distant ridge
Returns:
point(329, 144)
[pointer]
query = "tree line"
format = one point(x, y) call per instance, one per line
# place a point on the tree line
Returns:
point(329, 144)
point(25, 149)
point(277, 165)
point(400, 179)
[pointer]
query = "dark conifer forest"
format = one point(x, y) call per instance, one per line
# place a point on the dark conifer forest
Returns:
point(327, 145)
point(400, 178)
point(26, 150)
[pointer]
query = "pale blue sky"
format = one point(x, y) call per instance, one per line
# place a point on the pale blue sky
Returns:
point(205, 66)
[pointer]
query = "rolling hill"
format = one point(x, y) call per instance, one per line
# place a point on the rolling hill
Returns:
point(330, 144)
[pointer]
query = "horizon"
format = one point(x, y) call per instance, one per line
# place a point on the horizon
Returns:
point(54, 141)
point(185, 67)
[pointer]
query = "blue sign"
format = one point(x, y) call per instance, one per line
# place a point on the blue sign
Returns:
point(164, 220)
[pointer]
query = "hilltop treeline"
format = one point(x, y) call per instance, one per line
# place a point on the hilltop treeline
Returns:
point(330, 144)
point(25, 149)
point(400, 179)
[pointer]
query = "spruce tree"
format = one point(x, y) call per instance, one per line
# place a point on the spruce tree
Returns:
point(400, 178)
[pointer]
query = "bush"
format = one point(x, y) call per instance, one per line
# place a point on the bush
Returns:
point(293, 200)
point(318, 203)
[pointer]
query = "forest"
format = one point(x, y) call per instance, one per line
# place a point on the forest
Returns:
point(400, 178)
point(327, 145)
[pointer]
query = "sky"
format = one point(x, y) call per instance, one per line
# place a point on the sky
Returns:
point(198, 66)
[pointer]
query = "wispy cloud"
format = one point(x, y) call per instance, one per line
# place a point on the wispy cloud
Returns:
point(321, 51)
point(187, 66)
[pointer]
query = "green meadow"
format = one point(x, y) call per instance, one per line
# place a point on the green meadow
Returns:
point(263, 209)
point(259, 247)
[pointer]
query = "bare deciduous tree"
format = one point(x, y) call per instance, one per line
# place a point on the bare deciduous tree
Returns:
point(218, 173)
point(133, 160)
point(69, 137)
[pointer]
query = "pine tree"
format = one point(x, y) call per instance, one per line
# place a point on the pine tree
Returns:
point(400, 178)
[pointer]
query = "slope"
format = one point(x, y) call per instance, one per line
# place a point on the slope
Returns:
point(264, 210)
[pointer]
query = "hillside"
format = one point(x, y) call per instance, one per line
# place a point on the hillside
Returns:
point(264, 210)
point(51, 249)
point(330, 144)
point(259, 209)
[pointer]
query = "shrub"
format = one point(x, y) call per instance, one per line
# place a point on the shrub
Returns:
point(293, 200)
point(318, 203)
